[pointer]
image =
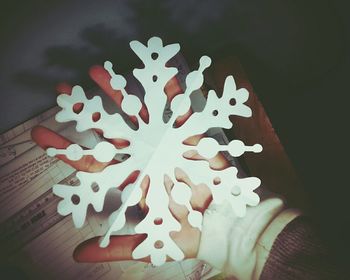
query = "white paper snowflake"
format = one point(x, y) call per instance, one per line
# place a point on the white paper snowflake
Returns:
point(156, 149)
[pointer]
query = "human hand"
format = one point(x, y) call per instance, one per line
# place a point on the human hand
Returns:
point(121, 247)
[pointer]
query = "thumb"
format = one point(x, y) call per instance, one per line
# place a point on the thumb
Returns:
point(120, 248)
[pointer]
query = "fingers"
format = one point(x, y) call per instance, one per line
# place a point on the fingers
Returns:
point(144, 187)
point(179, 211)
point(173, 88)
point(102, 78)
point(201, 194)
point(63, 88)
point(219, 162)
point(120, 248)
point(46, 138)
point(129, 180)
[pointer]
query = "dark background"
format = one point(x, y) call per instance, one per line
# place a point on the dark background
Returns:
point(296, 55)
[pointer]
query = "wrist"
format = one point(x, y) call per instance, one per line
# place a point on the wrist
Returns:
point(270, 234)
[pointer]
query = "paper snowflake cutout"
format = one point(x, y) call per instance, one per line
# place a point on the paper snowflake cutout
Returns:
point(156, 149)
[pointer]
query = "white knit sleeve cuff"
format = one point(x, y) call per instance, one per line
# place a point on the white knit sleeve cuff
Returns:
point(213, 247)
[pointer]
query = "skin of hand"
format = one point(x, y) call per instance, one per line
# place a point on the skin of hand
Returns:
point(121, 247)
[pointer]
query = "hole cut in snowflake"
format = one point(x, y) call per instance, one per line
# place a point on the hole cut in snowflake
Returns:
point(156, 149)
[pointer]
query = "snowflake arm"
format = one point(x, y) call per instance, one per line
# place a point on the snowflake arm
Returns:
point(91, 190)
point(209, 147)
point(181, 193)
point(218, 109)
point(131, 104)
point(158, 243)
point(113, 126)
point(156, 149)
point(194, 80)
point(223, 184)
point(103, 152)
point(154, 58)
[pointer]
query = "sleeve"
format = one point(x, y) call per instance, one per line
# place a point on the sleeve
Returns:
point(238, 246)
point(270, 242)
point(299, 253)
